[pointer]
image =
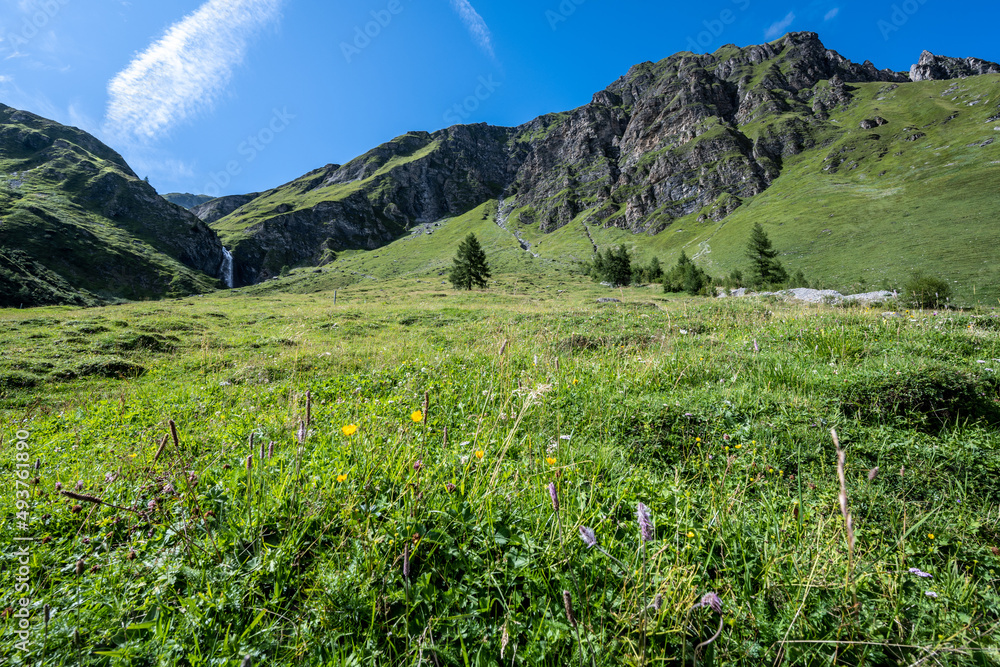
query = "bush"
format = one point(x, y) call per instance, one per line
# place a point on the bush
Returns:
point(686, 277)
point(923, 291)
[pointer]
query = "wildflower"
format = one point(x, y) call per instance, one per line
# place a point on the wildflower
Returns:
point(690, 534)
point(588, 536)
point(726, 437)
point(349, 429)
point(418, 464)
point(449, 487)
point(406, 560)
point(341, 478)
point(919, 573)
point(575, 381)
point(739, 446)
point(930, 536)
point(554, 495)
point(931, 594)
point(417, 416)
point(697, 439)
point(645, 525)
point(151, 504)
point(657, 602)
point(480, 454)
point(710, 599)
point(58, 486)
point(551, 461)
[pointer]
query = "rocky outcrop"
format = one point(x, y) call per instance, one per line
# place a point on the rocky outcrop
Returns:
point(931, 67)
point(667, 139)
point(220, 207)
point(417, 178)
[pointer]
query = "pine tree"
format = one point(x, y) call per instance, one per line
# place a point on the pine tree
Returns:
point(685, 276)
point(765, 268)
point(470, 267)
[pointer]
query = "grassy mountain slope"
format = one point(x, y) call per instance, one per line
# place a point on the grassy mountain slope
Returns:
point(860, 175)
point(78, 226)
point(916, 194)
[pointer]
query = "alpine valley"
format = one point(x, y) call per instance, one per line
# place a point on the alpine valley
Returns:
point(860, 176)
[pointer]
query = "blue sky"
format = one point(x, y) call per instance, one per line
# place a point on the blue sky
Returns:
point(234, 96)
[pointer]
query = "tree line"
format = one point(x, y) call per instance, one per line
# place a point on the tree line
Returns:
point(616, 267)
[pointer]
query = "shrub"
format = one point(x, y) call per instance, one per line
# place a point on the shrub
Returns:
point(923, 291)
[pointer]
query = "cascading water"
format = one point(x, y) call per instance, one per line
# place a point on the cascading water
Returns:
point(226, 270)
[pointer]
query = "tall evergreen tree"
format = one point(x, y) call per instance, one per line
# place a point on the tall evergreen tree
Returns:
point(685, 276)
point(765, 268)
point(470, 267)
point(614, 267)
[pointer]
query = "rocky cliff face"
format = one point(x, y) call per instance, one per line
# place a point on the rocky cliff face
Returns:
point(72, 208)
point(367, 203)
point(214, 209)
point(689, 134)
point(931, 67)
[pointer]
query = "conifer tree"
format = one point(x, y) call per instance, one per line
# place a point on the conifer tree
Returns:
point(765, 268)
point(470, 267)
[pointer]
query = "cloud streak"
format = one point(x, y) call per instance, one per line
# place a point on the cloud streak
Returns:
point(778, 29)
point(476, 26)
point(186, 71)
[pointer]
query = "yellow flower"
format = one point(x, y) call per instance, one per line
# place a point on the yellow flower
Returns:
point(575, 381)
point(341, 478)
point(480, 453)
point(417, 416)
point(349, 429)
point(738, 446)
point(690, 534)
point(697, 439)
point(930, 536)
point(551, 461)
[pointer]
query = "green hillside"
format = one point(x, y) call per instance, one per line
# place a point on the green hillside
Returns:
point(78, 226)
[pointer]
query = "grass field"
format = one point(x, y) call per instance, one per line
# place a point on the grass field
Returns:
point(403, 478)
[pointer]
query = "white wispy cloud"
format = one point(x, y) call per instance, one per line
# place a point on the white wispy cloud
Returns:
point(476, 26)
point(832, 14)
point(185, 71)
point(778, 28)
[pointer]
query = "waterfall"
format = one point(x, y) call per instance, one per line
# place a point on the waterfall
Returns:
point(226, 270)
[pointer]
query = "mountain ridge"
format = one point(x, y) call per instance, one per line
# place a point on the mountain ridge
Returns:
point(689, 134)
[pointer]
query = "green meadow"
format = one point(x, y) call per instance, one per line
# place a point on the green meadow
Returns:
point(405, 476)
